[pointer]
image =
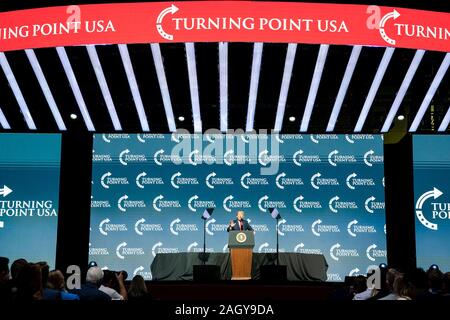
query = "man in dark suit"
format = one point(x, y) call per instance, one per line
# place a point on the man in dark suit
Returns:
point(239, 223)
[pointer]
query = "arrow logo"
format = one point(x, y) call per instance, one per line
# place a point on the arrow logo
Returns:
point(229, 198)
point(102, 182)
point(194, 197)
point(192, 245)
point(175, 137)
point(313, 227)
point(299, 246)
point(244, 138)
point(350, 140)
point(294, 204)
point(295, 156)
point(366, 155)
point(261, 158)
point(351, 176)
point(137, 270)
point(105, 138)
point(313, 139)
point(261, 247)
point(265, 197)
point(366, 204)
point(177, 220)
point(207, 226)
point(278, 226)
point(277, 182)
point(100, 227)
point(371, 247)
point(278, 138)
point(172, 9)
point(391, 15)
point(330, 157)
point(208, 184)
point(140, 138)
point(435, 193)
point(353, 272)
point(120, 246)
point(156, 245)
point(314, 185)
point(191, 157)
point(119, 203)
point(136, 226)
point(123, 162)
point(245, 175)
point(227, 154)
point(140, 175)
point(5, 191)
point(172, 180)
point(155, 157)
point(330, 204)
point(336, 246)
point(155, 206)
point(349, 227)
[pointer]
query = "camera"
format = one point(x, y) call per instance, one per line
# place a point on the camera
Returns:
point(111, 275)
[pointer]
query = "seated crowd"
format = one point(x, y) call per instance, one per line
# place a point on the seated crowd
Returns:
point(27, 281)
point(419, 285)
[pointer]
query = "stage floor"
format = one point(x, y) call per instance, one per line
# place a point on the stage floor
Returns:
point(242, 290)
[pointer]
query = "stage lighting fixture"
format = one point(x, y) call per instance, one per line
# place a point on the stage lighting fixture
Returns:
point(95, 61)
point(287, 74)
point(75, 87)
point(401, 117)
point(193, 86)
point(73, 116)
point(92, 264)
point(159, 66)
point(383, 266)
point(17, 92)
point(223, 79)
point(291, 119)
point(126, 61)
point(181, 118)
point(3, 121)
point(254, 81)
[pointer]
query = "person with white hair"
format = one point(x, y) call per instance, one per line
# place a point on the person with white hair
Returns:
point(89, 291)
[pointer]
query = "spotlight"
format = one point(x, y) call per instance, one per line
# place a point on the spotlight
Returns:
point(291, 119)
point(401, 117)
point(73, 116)
point(181, 118)
point(383, 266)
point(92, 264)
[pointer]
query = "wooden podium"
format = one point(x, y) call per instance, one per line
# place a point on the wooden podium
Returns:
point(241, 245)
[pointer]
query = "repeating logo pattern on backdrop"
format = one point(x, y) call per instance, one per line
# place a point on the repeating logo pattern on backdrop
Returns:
point(148, 196)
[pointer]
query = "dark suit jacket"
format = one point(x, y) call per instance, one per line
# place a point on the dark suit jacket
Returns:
point(246, 226)
point(90, 292)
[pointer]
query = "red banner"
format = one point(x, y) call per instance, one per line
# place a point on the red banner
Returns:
point(213, 21)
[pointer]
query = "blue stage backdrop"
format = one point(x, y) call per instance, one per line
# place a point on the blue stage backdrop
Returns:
point(432, 200)
point(329, 190)
point(29, 192)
